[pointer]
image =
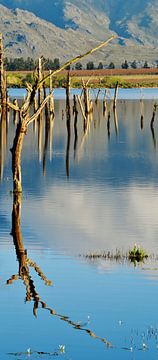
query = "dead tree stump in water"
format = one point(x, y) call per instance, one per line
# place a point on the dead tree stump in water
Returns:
point(115, 95)
point(51, 102)
point(75, 112)
point(25, 119)
point(68, 122)
point(15, 112)
point(68, 85)
point(16, 156)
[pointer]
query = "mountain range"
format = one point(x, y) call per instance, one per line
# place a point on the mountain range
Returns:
point(65, 29)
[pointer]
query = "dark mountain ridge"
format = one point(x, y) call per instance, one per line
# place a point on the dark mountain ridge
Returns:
point(68, 27)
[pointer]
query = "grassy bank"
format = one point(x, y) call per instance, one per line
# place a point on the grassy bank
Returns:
point(19, 79)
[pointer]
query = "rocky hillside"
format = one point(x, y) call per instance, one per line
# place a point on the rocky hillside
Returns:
point(64, 29)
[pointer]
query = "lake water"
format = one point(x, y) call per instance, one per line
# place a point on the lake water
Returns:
point(82, 194)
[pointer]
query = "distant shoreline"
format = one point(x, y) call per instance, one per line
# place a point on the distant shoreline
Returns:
point(101, 78)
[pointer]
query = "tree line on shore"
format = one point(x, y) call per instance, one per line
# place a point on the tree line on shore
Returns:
point(48, 64)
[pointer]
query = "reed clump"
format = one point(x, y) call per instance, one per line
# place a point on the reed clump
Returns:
point(134, 255)
point(118, 255)
point(137, 254)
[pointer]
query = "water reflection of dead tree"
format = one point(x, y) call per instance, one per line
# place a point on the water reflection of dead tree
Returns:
point(77, 326)
point(75, 113)
point(97, 96)
point(87, 115)
point(24, 274)
point(142, 114)
point(115, 121)
point(108, 125)
point(47, 132)
point(68, 126)
point(152, 125)
point(49, 123)
point(24, 261)
point(153, 115)
point(82, 111)
point(153, 136)
point(3, 144)
point(142, 122)
point(68, 122)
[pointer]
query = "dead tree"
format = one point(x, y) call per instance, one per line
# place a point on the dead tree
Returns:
point(51, 101)
point(115, 95)
point(3, 82)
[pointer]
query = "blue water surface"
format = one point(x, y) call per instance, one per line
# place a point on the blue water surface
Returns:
point(84, 194)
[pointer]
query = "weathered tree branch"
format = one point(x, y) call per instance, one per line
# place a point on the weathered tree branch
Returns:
point(13, 107)
point(79, 57)
point(36, 114)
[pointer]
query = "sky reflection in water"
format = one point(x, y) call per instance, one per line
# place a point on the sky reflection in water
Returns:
point(108, 201)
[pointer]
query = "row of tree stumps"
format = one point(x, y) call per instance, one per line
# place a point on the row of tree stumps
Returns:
point(23, 113)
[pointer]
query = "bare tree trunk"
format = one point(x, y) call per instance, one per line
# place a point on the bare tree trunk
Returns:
point(115, 95)
point(3, 86)
point(16, 156)
point(15, 112)
point(68, 112)
point(51, 102)
point(40, 93)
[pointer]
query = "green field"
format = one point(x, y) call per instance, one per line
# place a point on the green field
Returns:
point(20, 79)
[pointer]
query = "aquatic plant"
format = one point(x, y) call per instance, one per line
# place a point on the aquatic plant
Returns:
point(137, 254)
